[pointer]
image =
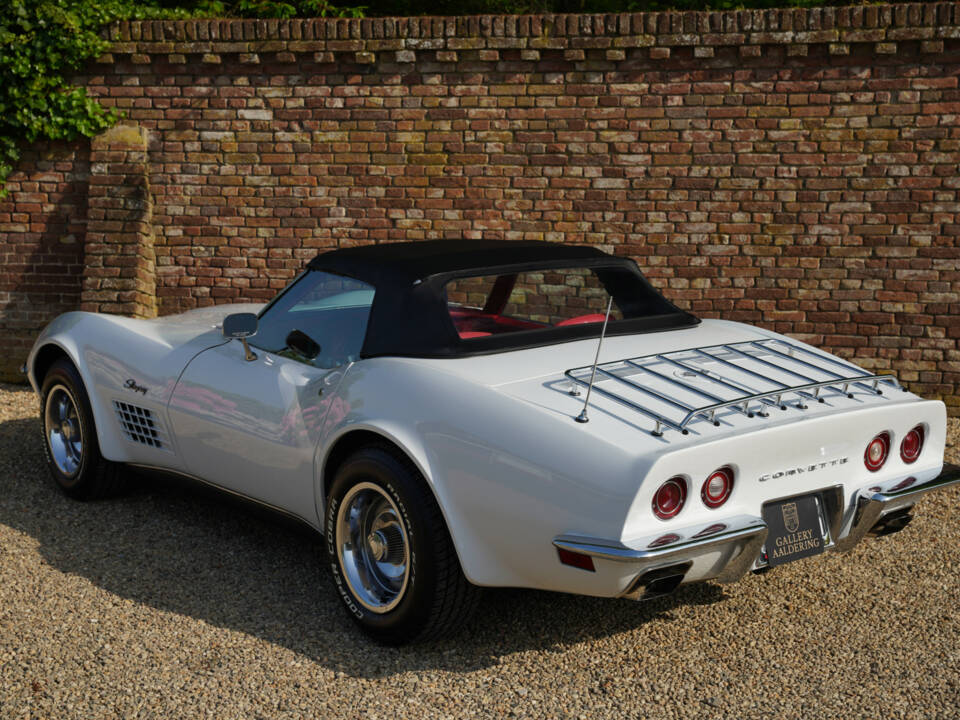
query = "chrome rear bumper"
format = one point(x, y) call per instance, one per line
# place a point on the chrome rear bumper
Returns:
point(732, 547)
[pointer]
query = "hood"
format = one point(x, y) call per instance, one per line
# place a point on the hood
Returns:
point(176, 330)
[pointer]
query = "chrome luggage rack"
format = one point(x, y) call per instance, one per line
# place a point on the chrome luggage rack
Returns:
point(757, 376)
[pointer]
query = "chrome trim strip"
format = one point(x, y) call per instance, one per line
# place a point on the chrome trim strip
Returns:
point(870, 506)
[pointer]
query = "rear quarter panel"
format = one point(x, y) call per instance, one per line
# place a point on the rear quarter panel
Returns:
point(508, 477)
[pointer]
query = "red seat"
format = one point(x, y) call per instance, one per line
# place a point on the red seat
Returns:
point(582, 319)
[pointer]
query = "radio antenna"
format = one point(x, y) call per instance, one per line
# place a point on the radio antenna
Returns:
point(582, 417)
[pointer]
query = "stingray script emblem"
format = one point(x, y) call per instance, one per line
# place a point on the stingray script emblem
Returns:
point(131, 384)
point(791, 518)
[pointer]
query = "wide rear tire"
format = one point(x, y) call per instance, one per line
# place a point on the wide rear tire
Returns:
point(70, 437)
point(392, 559)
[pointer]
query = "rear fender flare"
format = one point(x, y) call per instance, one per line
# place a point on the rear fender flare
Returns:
point(414, 449)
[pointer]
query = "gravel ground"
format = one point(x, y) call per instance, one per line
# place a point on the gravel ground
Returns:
point(170, 602)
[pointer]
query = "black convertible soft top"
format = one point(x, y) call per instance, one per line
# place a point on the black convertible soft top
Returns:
point(409, 261)
point(409, 315)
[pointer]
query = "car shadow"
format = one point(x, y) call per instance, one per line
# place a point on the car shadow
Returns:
point(181, 548)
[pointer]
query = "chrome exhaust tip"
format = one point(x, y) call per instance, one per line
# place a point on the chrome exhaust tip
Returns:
point(658, 583)
point(892, 523)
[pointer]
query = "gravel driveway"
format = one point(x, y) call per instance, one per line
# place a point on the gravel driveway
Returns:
point(172, 603)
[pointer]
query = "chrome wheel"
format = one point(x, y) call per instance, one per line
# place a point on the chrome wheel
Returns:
point(64, 433)
point(373, 547)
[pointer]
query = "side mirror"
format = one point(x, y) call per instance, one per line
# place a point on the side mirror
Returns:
point(303, 344)
point(241, 326)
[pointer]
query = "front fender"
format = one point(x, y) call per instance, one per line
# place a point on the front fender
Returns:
point(131, 361)
point(64, 333)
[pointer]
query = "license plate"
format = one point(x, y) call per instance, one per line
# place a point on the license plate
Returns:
point(794, 529)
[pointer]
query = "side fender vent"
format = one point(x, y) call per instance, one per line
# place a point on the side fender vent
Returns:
point(140, 425)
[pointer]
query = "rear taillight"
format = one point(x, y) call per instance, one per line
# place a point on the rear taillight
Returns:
point(876, 453)
point(717, 488)
point(669, 498)
point(911, 445)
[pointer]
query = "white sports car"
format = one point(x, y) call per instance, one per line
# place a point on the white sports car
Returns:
point(475, 413)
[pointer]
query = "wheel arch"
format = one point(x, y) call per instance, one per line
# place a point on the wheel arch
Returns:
point(44, 358)
point(355, 437)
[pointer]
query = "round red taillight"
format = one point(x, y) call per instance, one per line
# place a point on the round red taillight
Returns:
point(876, 453)
point(911, 445)
point(717, 488)
point(669, 498)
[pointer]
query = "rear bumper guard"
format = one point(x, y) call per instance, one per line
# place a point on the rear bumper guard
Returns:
point(872, 505)
point(738, 541)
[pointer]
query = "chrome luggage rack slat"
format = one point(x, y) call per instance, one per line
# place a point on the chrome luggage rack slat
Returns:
point(755, 359)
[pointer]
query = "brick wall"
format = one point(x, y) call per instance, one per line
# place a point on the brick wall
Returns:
point(42, 229)
point(797, 169)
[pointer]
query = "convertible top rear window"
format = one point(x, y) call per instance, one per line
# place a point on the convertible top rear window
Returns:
point(486, 305)
point(481, 306)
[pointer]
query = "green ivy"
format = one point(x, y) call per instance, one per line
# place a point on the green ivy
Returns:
point(40, 44)
point(43, 42)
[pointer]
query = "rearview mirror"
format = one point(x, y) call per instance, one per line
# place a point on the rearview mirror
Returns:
point(303, 344)
point(240, 325)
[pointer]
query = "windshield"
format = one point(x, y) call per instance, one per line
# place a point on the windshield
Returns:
point(332, 310)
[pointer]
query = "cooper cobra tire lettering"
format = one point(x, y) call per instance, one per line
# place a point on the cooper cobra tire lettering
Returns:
point(331, 519)
point(334, 565)
point(435, 597)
